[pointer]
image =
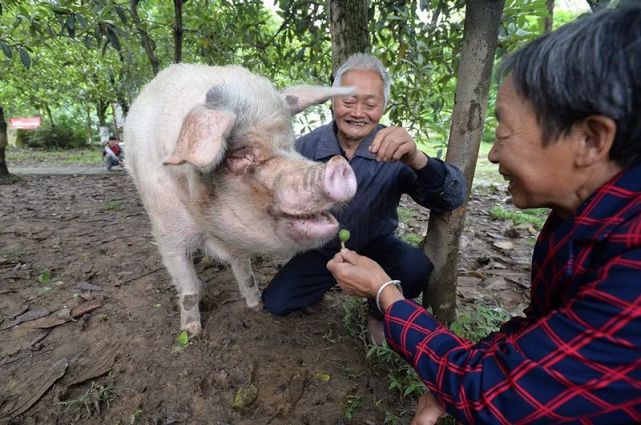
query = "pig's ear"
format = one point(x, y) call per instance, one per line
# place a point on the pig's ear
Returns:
point(203, 138)
point(298, 98)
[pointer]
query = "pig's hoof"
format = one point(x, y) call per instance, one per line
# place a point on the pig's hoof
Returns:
point(193, 328)
point(254, 305)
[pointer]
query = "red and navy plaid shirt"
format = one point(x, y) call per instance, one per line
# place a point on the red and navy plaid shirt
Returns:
point(576, 355)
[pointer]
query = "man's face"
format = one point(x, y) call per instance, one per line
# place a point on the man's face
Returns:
point(113, 143)
point(538, 175)
point(357, 116)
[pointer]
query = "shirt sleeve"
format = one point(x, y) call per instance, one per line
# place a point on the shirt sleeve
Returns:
point(439, 186)
point(580, 361)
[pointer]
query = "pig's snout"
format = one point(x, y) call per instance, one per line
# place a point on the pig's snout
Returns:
point(339, 181)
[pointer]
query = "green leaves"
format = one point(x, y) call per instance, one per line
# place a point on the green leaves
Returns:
point(6, 50)
point(24, 57)
point(44, 277)
point(182, 339)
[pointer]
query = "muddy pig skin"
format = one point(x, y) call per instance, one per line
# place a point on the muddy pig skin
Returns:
point(211, 152)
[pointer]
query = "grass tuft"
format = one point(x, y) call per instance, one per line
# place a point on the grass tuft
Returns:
point(93, 398)
point(536, 217)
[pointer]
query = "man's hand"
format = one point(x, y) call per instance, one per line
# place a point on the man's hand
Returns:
point(427, 411)
point(395, 144)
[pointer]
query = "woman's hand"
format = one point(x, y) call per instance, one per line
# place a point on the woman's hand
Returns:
point(356, 274)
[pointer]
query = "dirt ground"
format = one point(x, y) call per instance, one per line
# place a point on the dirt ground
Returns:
point(88, 320)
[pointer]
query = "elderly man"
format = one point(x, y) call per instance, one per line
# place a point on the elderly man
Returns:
point(387, 164)
point(569, 139)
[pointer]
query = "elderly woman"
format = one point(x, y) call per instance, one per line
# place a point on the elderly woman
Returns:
point(569, 139)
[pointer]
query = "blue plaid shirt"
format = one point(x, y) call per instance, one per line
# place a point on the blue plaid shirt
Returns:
point(576, 355)
point(372, 213)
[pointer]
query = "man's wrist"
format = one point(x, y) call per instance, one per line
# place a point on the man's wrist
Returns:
point(420, 160)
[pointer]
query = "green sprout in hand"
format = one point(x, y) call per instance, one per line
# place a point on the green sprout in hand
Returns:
point(343, 236)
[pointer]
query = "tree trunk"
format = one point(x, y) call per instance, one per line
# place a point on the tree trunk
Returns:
point(114, 115)
point(482, 19)
point(88, 129)
point(48, 110)
point(4, 141)
point(549, 18)
point(101, 111)
point(348, 26)
point(146, 41)
point(178, 31)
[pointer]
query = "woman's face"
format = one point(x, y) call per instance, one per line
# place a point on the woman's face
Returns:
point(539, 176)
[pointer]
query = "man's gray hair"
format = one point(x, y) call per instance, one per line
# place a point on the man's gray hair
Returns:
point(591, 66)
point(364, 62)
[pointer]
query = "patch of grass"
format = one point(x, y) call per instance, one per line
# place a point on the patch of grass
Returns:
point(536, 217)
point(474, 324)
point(44, 276)
point(400, 376)
point(405, 215)
point(412, 238)
point(113, 206)
point(93, 398)
point(352, 404)
point(88, 155)
point(354, 316)
point(10, 179)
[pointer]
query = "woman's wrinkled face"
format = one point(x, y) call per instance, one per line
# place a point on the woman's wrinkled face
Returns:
point(539, 176)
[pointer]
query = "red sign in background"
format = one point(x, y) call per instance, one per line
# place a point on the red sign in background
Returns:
point(24, 123)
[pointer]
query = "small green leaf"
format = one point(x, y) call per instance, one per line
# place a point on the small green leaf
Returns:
point(6, 49)
point(113, 38)
point(182, 339)
point(44, 277)
point(121, 14)
point(24, 57)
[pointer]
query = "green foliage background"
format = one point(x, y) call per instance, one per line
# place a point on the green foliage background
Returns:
point(68, 61)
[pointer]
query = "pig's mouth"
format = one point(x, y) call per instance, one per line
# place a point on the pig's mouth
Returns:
point(313, 227)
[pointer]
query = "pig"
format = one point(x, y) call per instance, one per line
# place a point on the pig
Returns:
point(210, 150)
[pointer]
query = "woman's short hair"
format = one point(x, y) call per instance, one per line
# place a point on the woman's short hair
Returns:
point(591, 66)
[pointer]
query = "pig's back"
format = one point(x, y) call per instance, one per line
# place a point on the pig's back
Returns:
point(155, 118)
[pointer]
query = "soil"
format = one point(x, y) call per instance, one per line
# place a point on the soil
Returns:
point(89, 322)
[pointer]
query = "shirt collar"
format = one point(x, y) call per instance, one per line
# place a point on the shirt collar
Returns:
point(328, 143)
point(612, 204)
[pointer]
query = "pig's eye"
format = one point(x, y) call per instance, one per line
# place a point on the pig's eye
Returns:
point(241, 160)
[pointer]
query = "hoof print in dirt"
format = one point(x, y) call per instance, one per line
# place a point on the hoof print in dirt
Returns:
point(245, 397)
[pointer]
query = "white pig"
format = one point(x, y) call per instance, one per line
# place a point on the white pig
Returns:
point(211, 152)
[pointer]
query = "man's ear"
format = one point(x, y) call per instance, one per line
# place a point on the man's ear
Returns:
point(596, 135)
point(202, 140)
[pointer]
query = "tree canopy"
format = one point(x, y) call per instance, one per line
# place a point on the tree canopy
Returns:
point(63, 58)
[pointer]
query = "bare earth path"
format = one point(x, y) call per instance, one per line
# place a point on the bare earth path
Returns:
point(86, 307)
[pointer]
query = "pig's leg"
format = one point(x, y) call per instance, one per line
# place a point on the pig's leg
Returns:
point(180, 267)
point(242, 268)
